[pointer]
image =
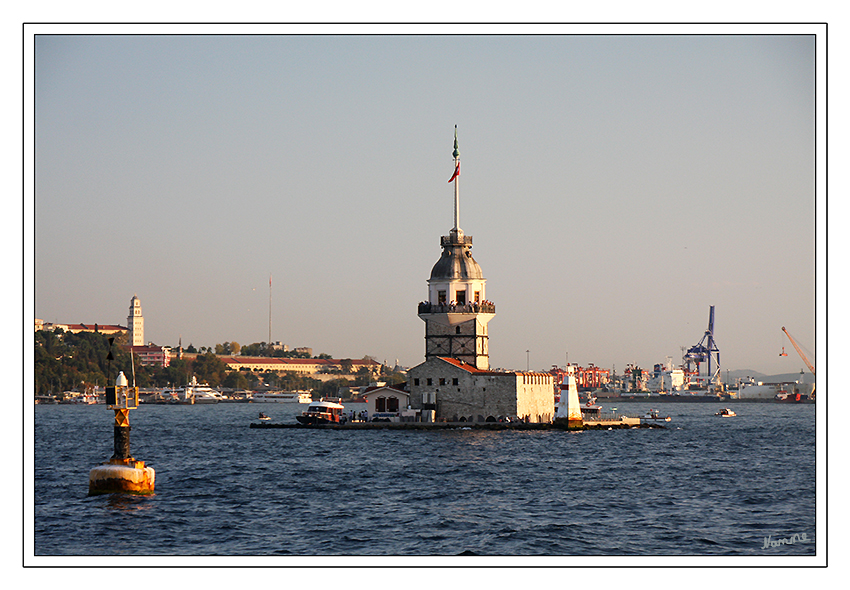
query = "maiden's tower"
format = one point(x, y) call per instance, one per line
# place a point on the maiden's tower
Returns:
point(455, 382)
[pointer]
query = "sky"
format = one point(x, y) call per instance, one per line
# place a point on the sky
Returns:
point(616, 187)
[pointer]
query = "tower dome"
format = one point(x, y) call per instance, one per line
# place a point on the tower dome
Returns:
point(456, 261)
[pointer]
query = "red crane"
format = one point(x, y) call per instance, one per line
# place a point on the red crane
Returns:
point(800, 352)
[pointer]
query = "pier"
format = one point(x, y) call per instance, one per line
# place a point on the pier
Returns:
point(625, 423)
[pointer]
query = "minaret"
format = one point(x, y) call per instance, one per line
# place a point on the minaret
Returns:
point(136, 323)
point(456, 312)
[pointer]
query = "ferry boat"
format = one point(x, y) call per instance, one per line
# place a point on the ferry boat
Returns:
point(725, 413)
point(324, 411)
point(282, 397)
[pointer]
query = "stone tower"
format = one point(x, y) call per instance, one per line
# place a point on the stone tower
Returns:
point(136, 323)
point(457, 310)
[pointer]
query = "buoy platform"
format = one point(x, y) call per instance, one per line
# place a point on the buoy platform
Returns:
point(122, 475)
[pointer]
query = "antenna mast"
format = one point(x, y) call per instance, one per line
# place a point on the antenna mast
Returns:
point(270, 311)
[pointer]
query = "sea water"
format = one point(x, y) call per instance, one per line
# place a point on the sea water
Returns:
point(701, 486)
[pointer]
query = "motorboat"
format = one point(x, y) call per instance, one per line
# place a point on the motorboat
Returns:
point(282, 397)
point(725, 413)
point(653, 416)
point(264, 417)
point(324, 411)
point(590, 409)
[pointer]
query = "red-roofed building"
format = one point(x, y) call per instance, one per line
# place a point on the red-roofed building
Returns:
point(152, 356)
point(107, 329)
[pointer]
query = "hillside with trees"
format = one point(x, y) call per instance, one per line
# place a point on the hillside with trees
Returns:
point(65, 361)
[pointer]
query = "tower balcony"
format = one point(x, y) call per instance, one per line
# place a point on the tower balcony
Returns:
point(426, 307)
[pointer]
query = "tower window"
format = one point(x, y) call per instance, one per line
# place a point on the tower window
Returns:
point(478, 297)
point(430, 381)
point(441, 297)
point(460, 297)
point(457, 330)
point(416, 382)
point(454, 381)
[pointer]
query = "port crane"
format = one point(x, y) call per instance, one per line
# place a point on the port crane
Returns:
point(705, 351)
point(800, 352)
point(802, 356)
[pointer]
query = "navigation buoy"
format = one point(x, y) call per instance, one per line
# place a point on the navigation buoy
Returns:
point(122, 473)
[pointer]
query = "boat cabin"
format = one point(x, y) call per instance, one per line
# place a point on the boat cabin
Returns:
point(322, 412)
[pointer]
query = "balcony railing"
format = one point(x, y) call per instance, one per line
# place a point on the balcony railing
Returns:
point(455, 240)
point(485, 307)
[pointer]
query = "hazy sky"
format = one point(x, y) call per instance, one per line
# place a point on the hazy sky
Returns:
point(615, 188)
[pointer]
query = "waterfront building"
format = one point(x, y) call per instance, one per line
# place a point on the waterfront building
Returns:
point(136, 323)
point(455, 382)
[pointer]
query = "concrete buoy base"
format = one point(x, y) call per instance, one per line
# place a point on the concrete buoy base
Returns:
point(122, 475)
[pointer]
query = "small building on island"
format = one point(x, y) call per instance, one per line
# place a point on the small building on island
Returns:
point(388, 403)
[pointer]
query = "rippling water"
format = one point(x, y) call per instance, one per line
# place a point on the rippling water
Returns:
point(702, 486)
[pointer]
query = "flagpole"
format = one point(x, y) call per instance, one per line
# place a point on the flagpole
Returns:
point(456, 155)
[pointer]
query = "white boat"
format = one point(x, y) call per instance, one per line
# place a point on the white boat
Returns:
point(725, 413)
point(652, 416)
point(590, 409)
point(282, 397)
point(199, 393)
point(206, 397)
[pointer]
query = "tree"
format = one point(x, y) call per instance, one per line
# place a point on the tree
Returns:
point(236, 380)
point(68, 361)
point(209, 368)
point(234, 348)
point(363, 376)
